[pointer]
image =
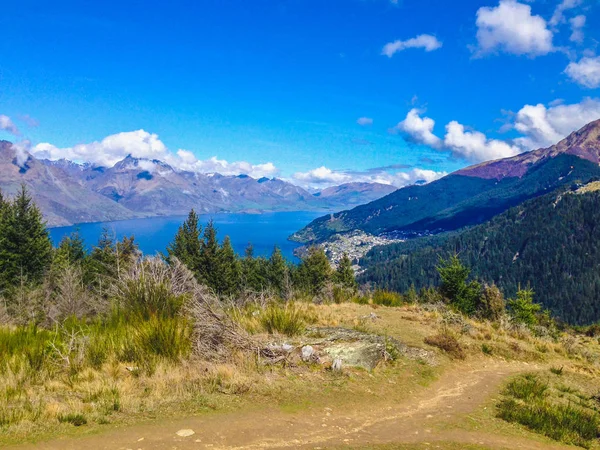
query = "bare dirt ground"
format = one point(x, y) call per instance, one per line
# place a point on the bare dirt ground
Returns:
point(426, 420)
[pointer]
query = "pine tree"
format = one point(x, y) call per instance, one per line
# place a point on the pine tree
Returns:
point(344, 274)
point(25, 246)
point(314, 271)
point(462, 295)
point(103, 259)
point(254, 271)
point(209, 254)
point(71, 250)
point(278, 272)
point(186, 246)
point(227, 270)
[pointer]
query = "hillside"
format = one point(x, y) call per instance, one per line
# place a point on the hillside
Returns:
point(69, 193)
point(472, 195)
point(550, 243)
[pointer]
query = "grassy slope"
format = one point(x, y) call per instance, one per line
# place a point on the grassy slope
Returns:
point(190, 388)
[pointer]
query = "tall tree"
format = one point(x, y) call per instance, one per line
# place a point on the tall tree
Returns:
point(314, 271)
point(186, 246)
point(25, 246)
point(103, 259)
point(344, 273)
point(227, 270)
point(278, 272)
point(209, 255)
point(462, 295)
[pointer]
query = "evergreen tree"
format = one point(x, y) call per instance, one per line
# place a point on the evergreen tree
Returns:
point(462, 295)
point(523, 309)
point(71, 250)
point(209, 255)
point(254, 271)
point(314, 271)
point(186, 246)
point(227, 271)
point(103, 259)
point(25, 246)
point(344, 274)
point(278, 272)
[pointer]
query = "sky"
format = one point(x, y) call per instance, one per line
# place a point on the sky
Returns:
point(318, 92)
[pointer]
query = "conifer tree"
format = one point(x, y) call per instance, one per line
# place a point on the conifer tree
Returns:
point(314, 270)
point(344, 274)
point(454, 287)
point(25, 246)
point(209, 255)
point(227, 270)
point(277, 271)
point(103, 259)
point(253, 273)
point(71, 250)
point(186, 246)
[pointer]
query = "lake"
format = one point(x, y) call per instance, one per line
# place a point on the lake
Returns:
point(153, 235)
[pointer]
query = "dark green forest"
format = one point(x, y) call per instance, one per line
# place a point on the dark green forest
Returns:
point(551, 244)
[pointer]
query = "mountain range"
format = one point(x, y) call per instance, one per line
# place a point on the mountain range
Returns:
point(68, 192)
point(469, 196)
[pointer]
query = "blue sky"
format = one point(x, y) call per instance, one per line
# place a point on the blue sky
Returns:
point(319, 92)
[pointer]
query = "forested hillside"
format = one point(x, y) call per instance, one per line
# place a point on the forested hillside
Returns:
point(551, 243)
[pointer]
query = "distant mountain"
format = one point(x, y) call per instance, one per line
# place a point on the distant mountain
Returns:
point(551, 243)
point(69, 193)
point(353, 194)
point(62, 198)
point(472, 195)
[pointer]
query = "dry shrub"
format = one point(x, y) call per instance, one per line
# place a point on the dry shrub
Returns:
point(446, 340)
point(71, 297)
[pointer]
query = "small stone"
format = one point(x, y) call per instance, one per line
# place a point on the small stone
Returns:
point(185, 433)
point(307, 353)
point(336, 366)
point(287, 348)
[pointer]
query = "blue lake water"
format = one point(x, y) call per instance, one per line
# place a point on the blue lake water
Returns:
point(153, 235)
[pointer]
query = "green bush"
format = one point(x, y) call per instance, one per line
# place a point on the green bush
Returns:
point(285, 319)
point(563, 423)
point(523, 308)
point(167, 338)
point(73, 418)
point(387, 298)
point(527, 387)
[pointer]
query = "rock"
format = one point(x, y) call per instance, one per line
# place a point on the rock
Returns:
point(357, 354)
point(185, 433)
point(336, 366)
point(287, 347)
point(307, 353)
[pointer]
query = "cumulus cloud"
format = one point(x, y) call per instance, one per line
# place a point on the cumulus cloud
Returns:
point(586, 72)
point(364, 121)
point(559, 13)
point(419, 129)
point(425, 41)
point(141, 144)
point(323, 177)
point(543, 126)
point(6, 124)
point(474, 145)
point(109, 151)
point(577, 24)
point(510, 27)
point(186, 160)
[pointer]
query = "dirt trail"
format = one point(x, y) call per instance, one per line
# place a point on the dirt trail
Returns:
point(456, 394)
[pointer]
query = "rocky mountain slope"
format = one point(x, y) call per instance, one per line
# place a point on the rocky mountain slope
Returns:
point(472, 195)
point(69, 193)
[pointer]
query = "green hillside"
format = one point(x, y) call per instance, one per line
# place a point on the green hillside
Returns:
point(452, 202)
point(551, 243)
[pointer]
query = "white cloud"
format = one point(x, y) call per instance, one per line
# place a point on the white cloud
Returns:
point(6, 124)
point(425, 41)
point(419, 129)
point(141, 144)
point(474, 145)
point(586, 72)
point(558, 17)
point(186, 160)
point(364, 121)
point(543, 126)
point(109, 151)
point(510, 27)
point(577, 24)
point(323, 177)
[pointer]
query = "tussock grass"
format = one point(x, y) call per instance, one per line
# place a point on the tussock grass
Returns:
point(387, 298)
point(447, 341)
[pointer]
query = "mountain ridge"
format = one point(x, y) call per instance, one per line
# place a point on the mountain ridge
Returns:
point(68, 192)
point(469, 196)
